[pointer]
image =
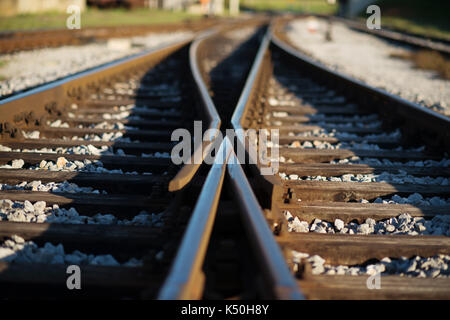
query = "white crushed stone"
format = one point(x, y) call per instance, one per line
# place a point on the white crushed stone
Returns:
point(156, 155)
point(326, 145)
point(99, 125)
point(17, 163)
point(371, 125)
point(64, 186)
point(58, 124)
point(107, 136)
point(335, 133)
point(88, 149)
point(31, 135)
point(432, 267)
point(414, 199)
point(235, 39)
point(394, 134)
point(353, 118)
point(62, 164)
point(403, 224)
point(17, 250)
point(364, 145)
point(399, 178)
point(379, 162)
point(373, 65)
point(39, 212)
point(31, 68)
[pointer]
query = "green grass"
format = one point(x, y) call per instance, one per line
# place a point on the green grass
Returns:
point(93, 18)
point(2, 64)
point(422, 17)
point(428, 60)
point(313, 6)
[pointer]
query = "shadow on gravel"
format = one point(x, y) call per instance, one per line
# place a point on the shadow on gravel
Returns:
point(132, 178)
point(227, 78)
point(356, 136)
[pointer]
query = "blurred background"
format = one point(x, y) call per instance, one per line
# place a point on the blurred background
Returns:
point(429, 18)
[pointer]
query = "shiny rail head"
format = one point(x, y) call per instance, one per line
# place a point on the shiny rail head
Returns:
point(283, 283)
point(294, 52)
point(188, 171)
point(185, 280)
point(56, 83)
point(429, 120)
point(210, 109)
point(239, 112)
point(242, 106)
point(406, 38)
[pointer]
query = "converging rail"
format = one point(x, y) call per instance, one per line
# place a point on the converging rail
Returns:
point(347, 203)
point(427, 43)
point(413, 40)
point(352, 204)
point(87, 179)
point(13, 41)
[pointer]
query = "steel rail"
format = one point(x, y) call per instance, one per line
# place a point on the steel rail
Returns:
point(56, 91)
point(194, 244)
point(413, 40)
point(186, 279)
point(240, 110)
point(413, 115)
point(73, 80)
point(272, 261)
point(13, 41)
point(261, 237)
point(244, 99)
point(187, 172)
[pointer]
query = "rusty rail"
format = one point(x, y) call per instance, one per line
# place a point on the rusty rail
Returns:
point(213, 120)
point(186, 278)
point(30, 110)
point(275, 269)
point(329, 200)
point(412, 115)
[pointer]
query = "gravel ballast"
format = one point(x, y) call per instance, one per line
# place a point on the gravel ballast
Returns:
point(367, 58)
point(83, 149)
point(17, 250)
point(433, 267)
point(62, 164)
point(404, 224)
point(401, 178)
point(378, 162)
point(40, 212)
point(37, 185)
point(27, 69)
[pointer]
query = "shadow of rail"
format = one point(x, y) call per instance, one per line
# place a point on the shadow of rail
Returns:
point(128, 124)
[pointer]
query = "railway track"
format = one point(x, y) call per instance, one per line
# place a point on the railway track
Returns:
point(359, 191)
point(225, 60)
point(229, 269)
point(28, 40)
point(85, 178)
point(413, 40)
point(344, 202)
point(420, 42)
